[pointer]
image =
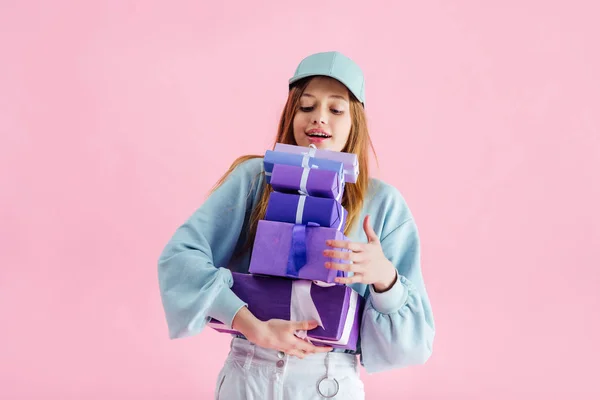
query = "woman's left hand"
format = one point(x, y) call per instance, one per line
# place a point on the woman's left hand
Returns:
point(369, 264)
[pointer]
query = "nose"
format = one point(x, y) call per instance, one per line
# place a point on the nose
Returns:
point(320, 117)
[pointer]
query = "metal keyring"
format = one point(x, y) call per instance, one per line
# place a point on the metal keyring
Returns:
point(337, 387)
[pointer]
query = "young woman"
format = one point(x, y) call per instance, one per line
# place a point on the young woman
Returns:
point(325, 107)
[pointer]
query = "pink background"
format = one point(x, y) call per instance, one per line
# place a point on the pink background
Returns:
point(116, 118)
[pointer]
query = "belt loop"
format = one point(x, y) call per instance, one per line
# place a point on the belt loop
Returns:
point(249, 356)
point(328, 365)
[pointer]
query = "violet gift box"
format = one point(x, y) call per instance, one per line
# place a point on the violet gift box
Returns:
point(308, 181)
point(349, 160)
point(340, 308)
point(273, 158)
point(294, 251)
point(301, 209)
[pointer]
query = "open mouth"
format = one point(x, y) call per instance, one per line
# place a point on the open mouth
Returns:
point(321, 135)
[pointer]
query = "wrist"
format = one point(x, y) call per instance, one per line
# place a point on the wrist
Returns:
point(245, 322)
point(388, 282)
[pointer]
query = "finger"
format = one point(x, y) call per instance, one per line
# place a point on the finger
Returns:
point(371, 235)
point(299, 347)
point(344, 255)
point(297, 353)
point(345, 244)
point(351, 279)
point(322, 349)
point(304, 346)
point(303, 325)
point(309, 348)
point(355, 268)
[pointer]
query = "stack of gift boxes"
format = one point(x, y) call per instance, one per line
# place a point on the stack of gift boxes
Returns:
point(287, 275)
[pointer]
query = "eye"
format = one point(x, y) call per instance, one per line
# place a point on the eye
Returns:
point(335, 111)
point(306, 109)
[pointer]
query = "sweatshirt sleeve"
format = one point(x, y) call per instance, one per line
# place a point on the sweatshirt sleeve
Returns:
point(398, 328)
point(193, 279)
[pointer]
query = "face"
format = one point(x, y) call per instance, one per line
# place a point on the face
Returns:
point(323, 118)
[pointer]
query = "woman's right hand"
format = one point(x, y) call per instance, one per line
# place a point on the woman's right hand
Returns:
point(277, 334)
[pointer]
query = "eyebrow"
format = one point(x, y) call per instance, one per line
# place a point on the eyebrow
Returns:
point(336, 96)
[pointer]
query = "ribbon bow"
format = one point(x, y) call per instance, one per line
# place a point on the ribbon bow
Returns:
point(306, 171)
point(306, 155)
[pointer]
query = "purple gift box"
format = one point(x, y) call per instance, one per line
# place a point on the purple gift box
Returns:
point(300, 209)
point(308, 181)
point(305, 160)
point(295, 251)
point(339, 308)
point(350, 160)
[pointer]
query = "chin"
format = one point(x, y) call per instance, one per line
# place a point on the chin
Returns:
point(326, 146)
point(322, 145)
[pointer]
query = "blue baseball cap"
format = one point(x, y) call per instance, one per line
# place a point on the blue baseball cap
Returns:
point(335, 65)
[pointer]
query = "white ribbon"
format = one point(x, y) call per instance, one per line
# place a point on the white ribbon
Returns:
point(312, 150)
point(300, 209)
point(323, 284)
point(304, 181)
point(302, 306)
point(304, 178)
point(300, 212)
point(339, 228)
point(306, 170)
point(339, 195)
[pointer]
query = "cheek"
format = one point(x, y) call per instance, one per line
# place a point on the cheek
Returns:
point(299, 123)
point(344, 126)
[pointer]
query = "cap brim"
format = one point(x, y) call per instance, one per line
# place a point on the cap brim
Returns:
point(299, 77)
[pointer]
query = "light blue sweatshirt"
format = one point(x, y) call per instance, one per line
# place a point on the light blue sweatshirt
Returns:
point(194, 270)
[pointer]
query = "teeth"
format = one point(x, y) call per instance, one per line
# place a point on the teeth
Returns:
point(318, 134)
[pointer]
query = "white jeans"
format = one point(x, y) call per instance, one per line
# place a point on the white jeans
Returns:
point(251, 372)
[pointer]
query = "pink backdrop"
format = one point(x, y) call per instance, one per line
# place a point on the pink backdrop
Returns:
point(116, 117)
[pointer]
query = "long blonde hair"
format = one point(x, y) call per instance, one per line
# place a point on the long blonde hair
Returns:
point(357, 143)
